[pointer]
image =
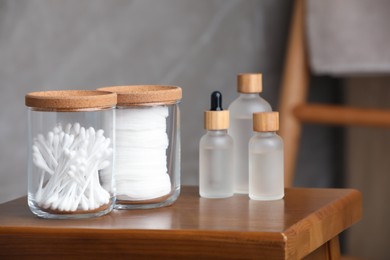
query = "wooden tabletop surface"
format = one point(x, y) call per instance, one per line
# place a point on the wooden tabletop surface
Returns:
point(191, 228)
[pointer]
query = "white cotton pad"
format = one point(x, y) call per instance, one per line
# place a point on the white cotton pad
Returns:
point(141, 159)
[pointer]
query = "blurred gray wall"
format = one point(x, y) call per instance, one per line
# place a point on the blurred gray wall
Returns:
point(198, 45)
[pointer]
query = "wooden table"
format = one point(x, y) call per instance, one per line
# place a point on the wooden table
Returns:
point(305, 224)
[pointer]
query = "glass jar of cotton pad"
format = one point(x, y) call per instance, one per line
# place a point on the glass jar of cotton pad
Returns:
point(70, 153)
point(147, 155)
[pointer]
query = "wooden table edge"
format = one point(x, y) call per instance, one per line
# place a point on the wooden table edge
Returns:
point(166, 244)
point(308, 235)
point(334, 220)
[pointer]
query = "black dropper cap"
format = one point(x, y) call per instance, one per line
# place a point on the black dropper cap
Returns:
point(216, 101)
point(216, 118)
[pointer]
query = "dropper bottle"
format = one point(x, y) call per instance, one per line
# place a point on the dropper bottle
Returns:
point(216, 153)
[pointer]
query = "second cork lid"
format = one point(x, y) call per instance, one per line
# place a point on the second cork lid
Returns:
point(266, 121)
point(138, 95)
point(249, 83)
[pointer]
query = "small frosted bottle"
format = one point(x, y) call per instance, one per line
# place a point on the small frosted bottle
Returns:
point(216, 153)
point(266, 167)
point(249, 101)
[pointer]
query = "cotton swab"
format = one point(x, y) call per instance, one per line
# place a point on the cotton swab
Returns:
point(71, 158)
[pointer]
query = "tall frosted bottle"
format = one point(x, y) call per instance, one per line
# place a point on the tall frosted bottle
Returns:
point(266, 170)
point(241, 110)
point(216, 153)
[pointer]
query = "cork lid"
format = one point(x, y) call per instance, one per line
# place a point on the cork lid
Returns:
point(70, 100)
point(266, 121)
point(140, 95)
point(216, 120)
point(249, 83)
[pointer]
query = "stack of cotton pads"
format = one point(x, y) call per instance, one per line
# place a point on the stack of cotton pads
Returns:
point(141, 159)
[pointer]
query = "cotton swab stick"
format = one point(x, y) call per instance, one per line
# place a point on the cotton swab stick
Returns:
point(72, 158)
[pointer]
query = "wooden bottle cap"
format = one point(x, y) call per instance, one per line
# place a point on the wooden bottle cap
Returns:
point(266, 121)
point(216, 120)
point(70, 100)
point(140, 95)
point(249, 83)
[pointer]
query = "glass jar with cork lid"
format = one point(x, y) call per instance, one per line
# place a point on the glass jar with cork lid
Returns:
point(147, 167)
point(70, 153)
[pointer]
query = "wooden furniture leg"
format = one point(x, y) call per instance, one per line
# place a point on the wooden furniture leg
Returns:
point(294, 89)
point(328, 251)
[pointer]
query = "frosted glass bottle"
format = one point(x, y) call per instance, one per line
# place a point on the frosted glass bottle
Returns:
point(216, 153)
point(248, 102)
point(266, 166)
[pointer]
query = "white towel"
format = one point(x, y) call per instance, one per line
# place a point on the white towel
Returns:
point(349, 36)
